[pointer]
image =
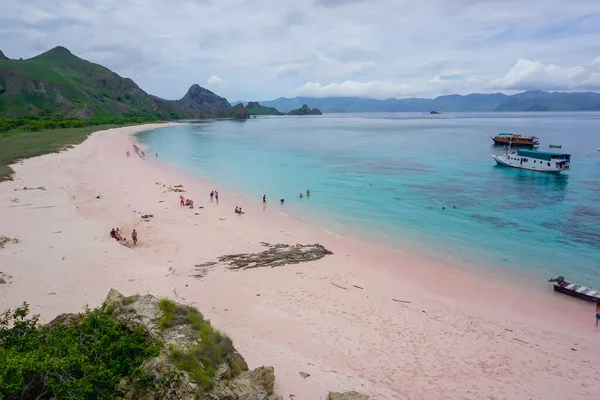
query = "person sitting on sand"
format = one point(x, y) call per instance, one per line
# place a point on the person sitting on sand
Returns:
point(125, 242)
point(237, 210)
point(240, 211)
point(134, 237)
point(189, 203)
point(113, 233)
point(118, 235)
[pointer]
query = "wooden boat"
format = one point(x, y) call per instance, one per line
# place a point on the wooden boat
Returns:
point(575, 289)
point(555, 146)
point(516, 139)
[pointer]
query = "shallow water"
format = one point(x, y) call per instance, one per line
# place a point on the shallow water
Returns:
point(387, 177)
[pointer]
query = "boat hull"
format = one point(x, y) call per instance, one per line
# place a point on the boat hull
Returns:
point(561, 289)
point(500, 161)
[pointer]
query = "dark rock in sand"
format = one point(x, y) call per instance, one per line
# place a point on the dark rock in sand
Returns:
point(277, 255)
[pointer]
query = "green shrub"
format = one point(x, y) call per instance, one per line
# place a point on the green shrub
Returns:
point(83, 356)
point(169, 309)
point(202, 360)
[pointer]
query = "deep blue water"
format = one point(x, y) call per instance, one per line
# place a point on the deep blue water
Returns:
point(387, 177)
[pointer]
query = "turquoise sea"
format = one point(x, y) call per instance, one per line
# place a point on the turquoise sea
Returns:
point(386, 177)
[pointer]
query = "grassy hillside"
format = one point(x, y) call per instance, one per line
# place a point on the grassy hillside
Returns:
point(60, 83)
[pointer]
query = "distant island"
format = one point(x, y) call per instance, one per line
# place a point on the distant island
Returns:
point(535, 100)
point(60, 84)
point(305, 110)
point(255, 108)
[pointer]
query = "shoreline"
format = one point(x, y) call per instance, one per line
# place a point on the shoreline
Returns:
point(489, 276)
point(459, 337)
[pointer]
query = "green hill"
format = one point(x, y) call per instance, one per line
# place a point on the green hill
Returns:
point(63, 84)
point(255, 108)
point(60, 84)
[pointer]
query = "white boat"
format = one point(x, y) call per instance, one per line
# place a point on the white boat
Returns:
point(534, 160)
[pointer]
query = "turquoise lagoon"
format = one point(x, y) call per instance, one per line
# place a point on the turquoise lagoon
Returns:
point(387, 177)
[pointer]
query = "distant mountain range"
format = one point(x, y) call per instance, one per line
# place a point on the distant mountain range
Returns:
point(62, 84)
point(527, 101)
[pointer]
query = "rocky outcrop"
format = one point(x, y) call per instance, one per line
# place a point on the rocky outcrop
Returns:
point(305, 110)
point(176, 327)
point(348, 396)
point(200, 103)
point(277, 255)
point(199, 98)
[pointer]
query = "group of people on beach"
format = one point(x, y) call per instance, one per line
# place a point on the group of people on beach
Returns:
point(238, 210)
point(214, 195)
point(116, 234)
point(183, 202)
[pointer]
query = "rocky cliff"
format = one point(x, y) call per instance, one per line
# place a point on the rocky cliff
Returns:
point(199, 103)
point(195, 361)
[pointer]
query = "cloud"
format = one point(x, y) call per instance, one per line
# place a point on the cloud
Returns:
point(215, 82)
point(528, 75)
point(273, 48)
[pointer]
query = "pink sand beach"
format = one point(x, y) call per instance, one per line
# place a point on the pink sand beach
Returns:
point(453, 335)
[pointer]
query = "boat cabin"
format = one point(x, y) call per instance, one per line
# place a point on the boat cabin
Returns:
point(550, 159)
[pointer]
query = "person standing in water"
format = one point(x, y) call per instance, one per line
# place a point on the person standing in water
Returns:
point(307, 192)
point(264, 199)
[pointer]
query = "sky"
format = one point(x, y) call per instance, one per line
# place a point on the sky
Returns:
point(264, 49)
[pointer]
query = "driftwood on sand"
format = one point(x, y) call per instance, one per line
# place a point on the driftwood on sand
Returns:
point(275, 256)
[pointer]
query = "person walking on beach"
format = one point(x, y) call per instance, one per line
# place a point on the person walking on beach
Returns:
point(597, 314)
point(134, 237)
point(181, 201)
point(217, 197)
point(264, 199)
point(212, 194)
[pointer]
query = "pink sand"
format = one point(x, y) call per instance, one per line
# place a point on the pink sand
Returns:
point(460, 337)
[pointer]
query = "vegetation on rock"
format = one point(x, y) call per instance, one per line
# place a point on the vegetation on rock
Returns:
point(77, 356)
point(134, 347)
